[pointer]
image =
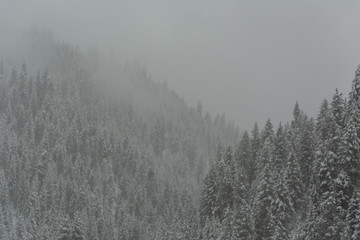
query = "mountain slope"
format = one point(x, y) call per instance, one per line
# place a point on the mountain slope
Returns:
point(91, 150)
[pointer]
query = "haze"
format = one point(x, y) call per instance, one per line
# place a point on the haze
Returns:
point(249, 59)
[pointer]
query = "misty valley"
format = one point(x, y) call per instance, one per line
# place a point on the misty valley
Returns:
point(90, 149)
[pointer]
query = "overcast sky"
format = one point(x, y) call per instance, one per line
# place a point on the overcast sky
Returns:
point(249, 59)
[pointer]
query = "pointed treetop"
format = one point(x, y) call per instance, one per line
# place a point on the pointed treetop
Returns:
point(337, 108)
point(296, 112)
point(357, 72)
point(268, 131)
point(255, 131)
point(279, 130)
point(229, 153)
point(355, 92)
point(245, 135)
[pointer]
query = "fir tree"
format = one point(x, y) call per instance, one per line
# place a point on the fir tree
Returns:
point(264, 225)
point(243, 157)
point(352, 230)
point(350, 144)
point(268, 132)
point(337, 108)
point(280, 151)
point(294, 181)
point(281, 210)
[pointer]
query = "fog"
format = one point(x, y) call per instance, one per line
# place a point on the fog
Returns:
point(249, 59)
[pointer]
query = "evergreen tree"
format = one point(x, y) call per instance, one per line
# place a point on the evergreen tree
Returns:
point(350, 144)
point(280, 151)
point(296, 113)
point(338, 108)
point(264, 225)
point(244, 160)
point(244, 223)
point(352, 230)
point(226, 191)
point(211, 229)
point(268, 132)
point(228, 224)
point(294, 181)
point(255, 148)
point(281, 210)
point(209, 195)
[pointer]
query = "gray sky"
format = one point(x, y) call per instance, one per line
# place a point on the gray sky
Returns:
point(249, 59)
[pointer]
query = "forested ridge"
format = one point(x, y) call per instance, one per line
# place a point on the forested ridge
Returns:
point(94, 150)
point(299, 180)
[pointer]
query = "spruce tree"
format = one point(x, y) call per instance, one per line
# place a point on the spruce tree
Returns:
point(350, 145)
point(243, 157)
point(338, 108)
point(352, 230)
point(294, 181)
point(264, 226)
point(268, 132)
point(280, 151)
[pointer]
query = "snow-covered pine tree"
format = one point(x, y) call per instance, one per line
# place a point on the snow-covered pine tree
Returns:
point(352, 230)
point(281, 210)
point(264, 226)
point(267, 132)
point(244, 160)
point(227, 187)
point(338, 108)
point(280, 149)
point(244, 222)
point(228, 224)
point(210, 190)
point(211, 230)
point(294, 182)
point(350, 145)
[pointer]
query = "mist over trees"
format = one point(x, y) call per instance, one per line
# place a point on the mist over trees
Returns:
point(92, 149)
point(298, 181)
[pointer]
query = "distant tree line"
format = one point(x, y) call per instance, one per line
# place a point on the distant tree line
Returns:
point(301, 181)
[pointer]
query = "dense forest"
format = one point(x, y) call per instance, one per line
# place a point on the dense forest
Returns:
point(299, 181)
point(92, 149)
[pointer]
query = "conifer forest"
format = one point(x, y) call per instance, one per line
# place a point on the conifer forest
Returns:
point(91, 148)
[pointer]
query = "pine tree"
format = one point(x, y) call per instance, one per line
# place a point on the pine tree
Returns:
point(244, 160)
point(323, 121)
point(281, 210)
point(280, 151)
point(78, 232)
point(338, 108)
point(294, 181)
point(226, 191)
point(211, 229)
point(209, 195)
point(255, 141)
point(268, 132)
point(350, 145)
point(296, 113)
point(264, 226)
point(228, 224)
point(306, 150)
point(352, 230)
point(243, 219)
point(244, 223)
point(210, 190)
